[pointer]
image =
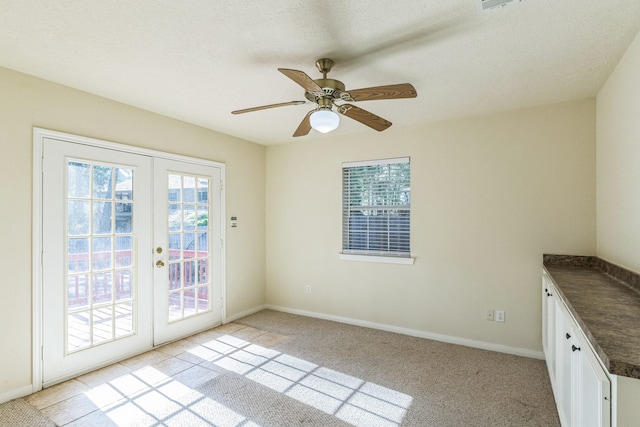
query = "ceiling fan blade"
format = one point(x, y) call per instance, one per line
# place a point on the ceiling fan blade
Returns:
point(305, 125)
point(264, 107)
point(364, 117)
point(303, 80)
point(403, 90)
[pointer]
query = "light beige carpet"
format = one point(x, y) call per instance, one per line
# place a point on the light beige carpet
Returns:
point(19, 413)
point(449, 385)
point(274, 369)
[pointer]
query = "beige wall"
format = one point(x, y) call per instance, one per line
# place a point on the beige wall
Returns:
point(618, 198)
point(618, 163)
point(27, 102)
point(490, 195)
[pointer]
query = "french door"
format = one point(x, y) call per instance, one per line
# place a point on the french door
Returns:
point(186, 239)
point(131, 254)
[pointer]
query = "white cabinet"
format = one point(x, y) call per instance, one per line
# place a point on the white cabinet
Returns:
point(580, 384)
point(593, 398)
point(548, 324)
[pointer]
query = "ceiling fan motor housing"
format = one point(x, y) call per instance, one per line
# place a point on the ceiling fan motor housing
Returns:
point(332, 89)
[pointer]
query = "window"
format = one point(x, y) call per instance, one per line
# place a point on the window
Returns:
point(376, 200)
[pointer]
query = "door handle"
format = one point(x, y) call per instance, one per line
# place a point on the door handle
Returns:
point(159, 264)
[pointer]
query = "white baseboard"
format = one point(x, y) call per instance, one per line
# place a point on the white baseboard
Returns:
point(14, 394)
point(414, 333)
point(244, 313)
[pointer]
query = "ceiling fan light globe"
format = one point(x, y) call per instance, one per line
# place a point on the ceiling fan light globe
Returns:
point(324, 120)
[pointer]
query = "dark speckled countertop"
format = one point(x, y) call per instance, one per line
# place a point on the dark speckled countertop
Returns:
point(605, 301)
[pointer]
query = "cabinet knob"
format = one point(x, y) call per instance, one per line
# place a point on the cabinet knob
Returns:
point(159, 264)
point(548, 294)
point(568, 335)
point(574, 348)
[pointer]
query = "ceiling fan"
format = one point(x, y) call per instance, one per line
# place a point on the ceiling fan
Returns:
point(329, 94)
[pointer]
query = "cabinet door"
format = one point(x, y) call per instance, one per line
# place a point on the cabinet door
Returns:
point(548, 326)
point(592, 389)
point(564, 355)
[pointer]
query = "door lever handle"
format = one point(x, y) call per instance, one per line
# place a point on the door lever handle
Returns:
point(159, 264)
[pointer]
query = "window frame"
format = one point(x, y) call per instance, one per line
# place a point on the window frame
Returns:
point(368, 255)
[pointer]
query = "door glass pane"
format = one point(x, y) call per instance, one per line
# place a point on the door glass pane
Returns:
point(189, 303)
point(189, 274)
point(124, 319)
point(203, 217)
point(189, 189)
point(100, 266)
point(102, 287)
point(189, 217)
point(102, 182)
point(189, 245)
point(78, 217)
point(203, 271)
point(124, 246)
point(188, 232)
point(78, 331)
point(175, 217)
point(203, 298)
point(123, 217)
point(175, 306)
point(103, 324)
point(124, 184)
point(123, 285)
point(78, 255)
point(175, 188)
point(175, 279)
point(175, 246)
point(102, 217)
point(78, 292)
point(78, 179)
point(102, 253)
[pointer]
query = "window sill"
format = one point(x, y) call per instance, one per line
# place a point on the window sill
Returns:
point(373, 258)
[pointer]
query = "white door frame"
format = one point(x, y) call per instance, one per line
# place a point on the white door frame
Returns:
point(39, 136)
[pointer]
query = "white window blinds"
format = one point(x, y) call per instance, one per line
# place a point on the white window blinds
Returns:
point(376, 201)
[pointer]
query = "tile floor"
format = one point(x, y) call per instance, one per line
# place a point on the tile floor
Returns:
point(148, 387)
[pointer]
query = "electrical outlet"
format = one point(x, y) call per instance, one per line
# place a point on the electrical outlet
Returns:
point(308, 289)
point(489, 314)
point(499, 315)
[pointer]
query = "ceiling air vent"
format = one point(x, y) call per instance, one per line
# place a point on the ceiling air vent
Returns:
point(491, 4)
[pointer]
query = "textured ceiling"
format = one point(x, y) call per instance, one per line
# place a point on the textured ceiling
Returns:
point(197, 60)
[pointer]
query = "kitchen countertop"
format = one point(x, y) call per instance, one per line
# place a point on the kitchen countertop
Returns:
point(605, 301)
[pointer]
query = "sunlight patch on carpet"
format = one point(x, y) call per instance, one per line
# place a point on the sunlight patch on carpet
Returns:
point(148, 396)
point(350, 399)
